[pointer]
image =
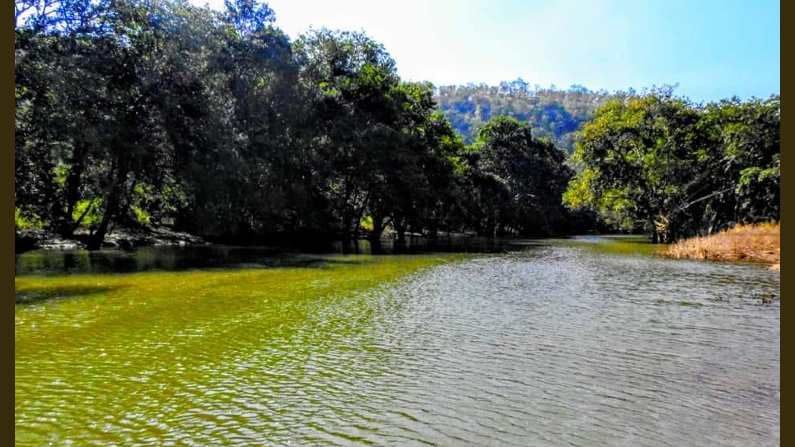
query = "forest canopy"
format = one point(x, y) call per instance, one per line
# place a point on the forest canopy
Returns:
point(658, 163)
point(133, 113)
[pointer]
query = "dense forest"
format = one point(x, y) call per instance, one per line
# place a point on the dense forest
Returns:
point(135, 114)
point(550, 112)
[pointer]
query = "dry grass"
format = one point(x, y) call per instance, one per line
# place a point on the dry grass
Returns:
point(755, 243)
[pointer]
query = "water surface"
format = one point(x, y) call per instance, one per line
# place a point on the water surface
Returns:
point(553, 343)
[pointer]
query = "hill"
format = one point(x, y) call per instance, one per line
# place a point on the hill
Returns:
point(551, 112)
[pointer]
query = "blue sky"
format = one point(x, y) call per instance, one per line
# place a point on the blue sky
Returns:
point(711, 48)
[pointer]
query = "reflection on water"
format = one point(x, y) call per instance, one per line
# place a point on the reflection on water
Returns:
point(557, 343)
point(626, 245)
point(150, 258)
point(54, 262)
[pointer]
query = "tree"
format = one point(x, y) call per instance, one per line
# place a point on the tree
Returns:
point(656, 162)
point(518, 179)
point(413, 166)
point(348, 78)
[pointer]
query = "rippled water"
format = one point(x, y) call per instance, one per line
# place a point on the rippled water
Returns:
point(560, 343)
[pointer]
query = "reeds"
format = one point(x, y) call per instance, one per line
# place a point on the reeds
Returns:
point(754, 242)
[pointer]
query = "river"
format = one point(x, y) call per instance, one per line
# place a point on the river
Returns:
point(583, 342)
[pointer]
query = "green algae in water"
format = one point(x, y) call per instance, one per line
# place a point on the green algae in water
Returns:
point(618, 245)
point(120, 358)
point(338, 353)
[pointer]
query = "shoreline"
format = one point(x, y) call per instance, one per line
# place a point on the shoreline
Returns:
point(121, 238)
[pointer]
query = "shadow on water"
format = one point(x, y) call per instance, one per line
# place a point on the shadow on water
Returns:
point(59, 262)
point(32, 295)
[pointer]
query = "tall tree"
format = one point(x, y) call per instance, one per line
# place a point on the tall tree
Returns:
point(519, 178)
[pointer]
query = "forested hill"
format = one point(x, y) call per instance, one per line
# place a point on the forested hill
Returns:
point(551, 112)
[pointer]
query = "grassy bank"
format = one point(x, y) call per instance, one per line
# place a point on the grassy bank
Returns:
point(754, 243)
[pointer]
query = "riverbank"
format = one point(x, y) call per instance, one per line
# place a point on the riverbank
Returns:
point(123, 238)
point(755, 243)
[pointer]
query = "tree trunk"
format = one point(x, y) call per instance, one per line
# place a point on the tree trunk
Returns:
point(400, 243)
point(433, 235)
point(375, 235)
point(345, 236)
point(653, 228)
point(72, 192)
point(112, 200)
point(494, 226)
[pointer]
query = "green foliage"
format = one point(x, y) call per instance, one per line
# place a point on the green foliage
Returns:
point(27, 222)
point(516, 180)
point(659, 163)
point(143, 197)
point(580, 191)
point(141, 216)
point(60, 173)
point(366, 223)
point(87, 213)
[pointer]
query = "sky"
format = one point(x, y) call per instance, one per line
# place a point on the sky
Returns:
point(712, 49)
